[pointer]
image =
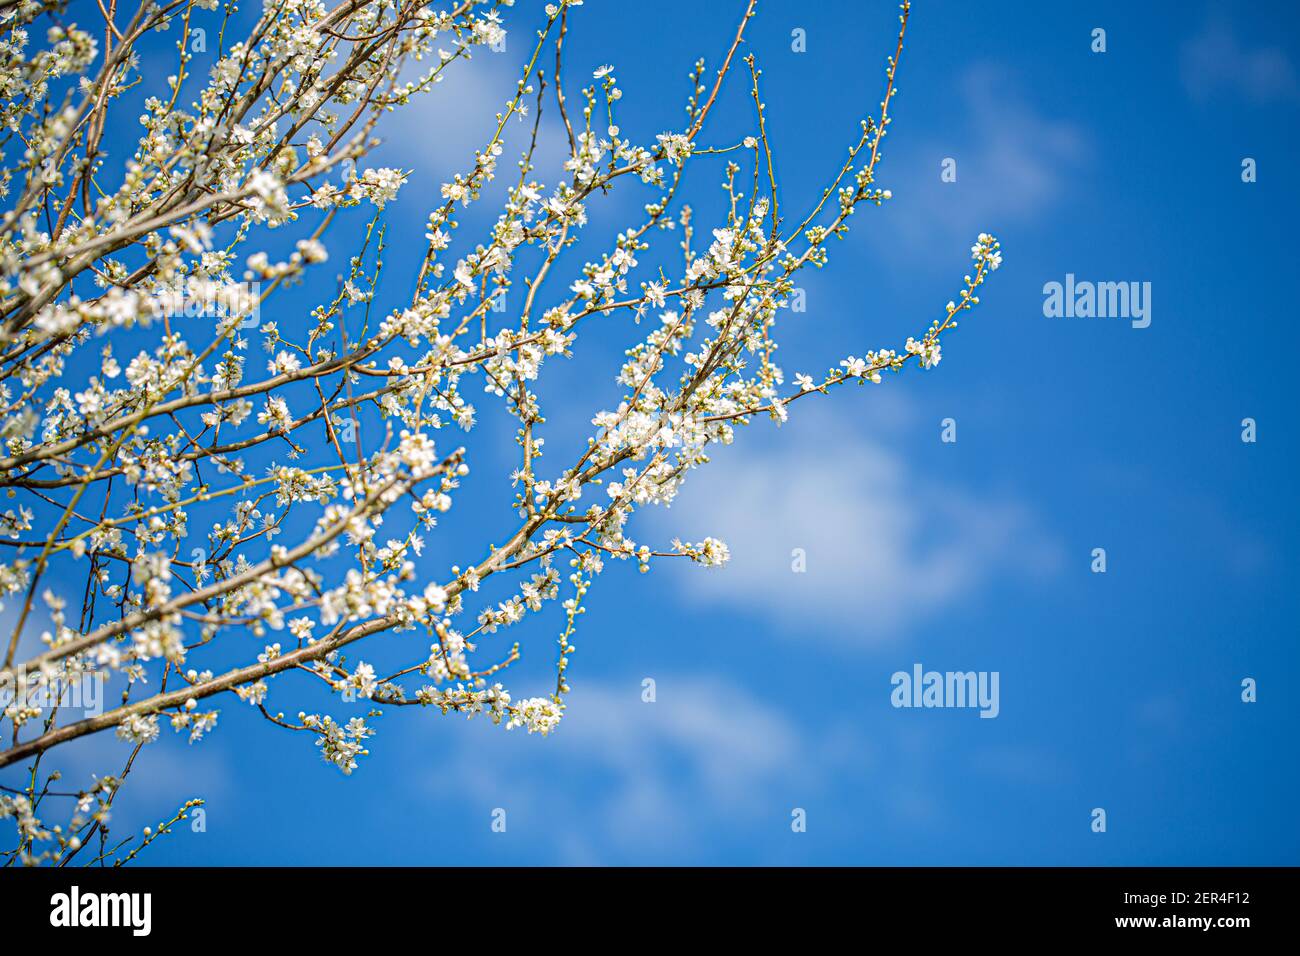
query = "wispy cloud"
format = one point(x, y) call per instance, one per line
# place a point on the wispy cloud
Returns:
point(439, 132)
point(704, 744)
point(1013, 163)
point(1216, 62)
point(886, 546)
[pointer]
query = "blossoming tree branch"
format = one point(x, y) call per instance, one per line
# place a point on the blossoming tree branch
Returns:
point(163, 419)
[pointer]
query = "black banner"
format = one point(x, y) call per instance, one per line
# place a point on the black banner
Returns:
point(937, 903)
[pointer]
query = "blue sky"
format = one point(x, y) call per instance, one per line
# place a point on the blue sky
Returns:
point(1118, 690)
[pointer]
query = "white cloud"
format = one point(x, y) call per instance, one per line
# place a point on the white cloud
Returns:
point(664, 772)
point(1215, 61)
point(1013, 165)
point(438, 132)
point(887, 547)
